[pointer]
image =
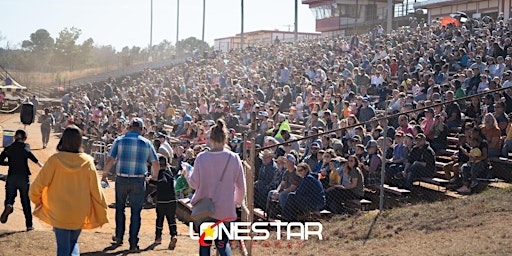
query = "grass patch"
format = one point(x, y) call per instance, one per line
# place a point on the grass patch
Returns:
point(414, 229)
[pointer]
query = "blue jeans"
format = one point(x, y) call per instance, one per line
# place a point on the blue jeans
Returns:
point(416, 171)
point(67, 241)
point(507, 148)
point(299, 205)
point(491, 152)
point(470, 172)
point(222, 245)
point(12, 185)
point(283, 196)
point(133, 188)
point(45, 134)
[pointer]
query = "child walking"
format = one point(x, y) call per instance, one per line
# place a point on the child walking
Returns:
point(165, 203)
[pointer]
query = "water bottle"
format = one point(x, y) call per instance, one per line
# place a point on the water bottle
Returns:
point(186, 166)
point(104, 184)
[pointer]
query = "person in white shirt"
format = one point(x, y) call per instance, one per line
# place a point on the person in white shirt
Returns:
point(163, 140)
point(377, 79)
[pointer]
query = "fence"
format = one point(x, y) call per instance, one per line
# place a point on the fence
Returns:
point(248, 212)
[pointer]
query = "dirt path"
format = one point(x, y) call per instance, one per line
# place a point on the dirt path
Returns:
point(16, 220)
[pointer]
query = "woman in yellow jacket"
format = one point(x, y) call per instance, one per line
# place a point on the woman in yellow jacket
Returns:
point(67, 194)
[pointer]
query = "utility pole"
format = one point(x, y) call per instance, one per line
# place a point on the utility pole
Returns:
point(296, 32)
point(151, 33)
point(204, 17)
point(357, 15)
point(177, 20)
point(242, 25)
point(390, 16)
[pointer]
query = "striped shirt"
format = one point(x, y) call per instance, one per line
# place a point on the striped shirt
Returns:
point(132, 152)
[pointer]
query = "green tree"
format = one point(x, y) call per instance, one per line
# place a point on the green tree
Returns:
point(137, 54)
point(66, 49)
point(187, 47)
point(40, 48)
point(85, 53)
point(163, 50)
point(105, 56)
point(39, 41)
point(126, 58)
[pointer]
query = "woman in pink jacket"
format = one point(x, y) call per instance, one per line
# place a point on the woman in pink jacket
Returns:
point(205, 178)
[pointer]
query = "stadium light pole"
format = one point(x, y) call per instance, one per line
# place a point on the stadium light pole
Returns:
point(151, 32)
point(204, 16)
point(242, 24)
point(177, 20)
point(390, 16)
point(296, 33)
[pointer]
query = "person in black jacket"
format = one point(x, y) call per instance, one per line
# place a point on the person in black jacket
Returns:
point(17, 155)
point(165, 203)
point(27, 113)
point(420, 162)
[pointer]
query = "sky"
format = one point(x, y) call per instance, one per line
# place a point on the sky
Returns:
point(127, 22)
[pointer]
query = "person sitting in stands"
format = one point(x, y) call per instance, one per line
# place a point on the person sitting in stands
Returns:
point(309, 195)
point(266, 174)
point(396, 164)
point(350, 186)
point(288, 184)
point(474, 161)
point(420, 162)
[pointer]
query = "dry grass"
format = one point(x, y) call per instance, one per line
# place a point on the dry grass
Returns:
point(37, 79)
point(478, 225)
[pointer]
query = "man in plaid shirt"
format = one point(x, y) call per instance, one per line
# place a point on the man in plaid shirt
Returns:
point(131, 152)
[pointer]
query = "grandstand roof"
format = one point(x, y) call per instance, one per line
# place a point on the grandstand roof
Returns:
point(439, 3)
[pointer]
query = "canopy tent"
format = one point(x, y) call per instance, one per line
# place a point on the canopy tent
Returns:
point(12, 88)
point(10, 85)
point(449, 20)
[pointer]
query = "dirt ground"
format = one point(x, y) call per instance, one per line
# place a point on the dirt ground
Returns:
point(479, 224)
point(16, 222)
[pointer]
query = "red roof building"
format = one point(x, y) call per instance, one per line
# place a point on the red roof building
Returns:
point(473, 8)
point(345, 17)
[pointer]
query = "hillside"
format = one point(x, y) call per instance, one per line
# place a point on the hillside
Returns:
point(477, 225)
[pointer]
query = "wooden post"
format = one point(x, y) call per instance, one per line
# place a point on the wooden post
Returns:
point(249, 178)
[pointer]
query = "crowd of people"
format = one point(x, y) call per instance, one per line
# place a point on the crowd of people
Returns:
point(340, 84)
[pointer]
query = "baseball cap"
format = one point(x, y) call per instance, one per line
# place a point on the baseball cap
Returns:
point(371, 143)
point(314, 145)
point(211, 122)
point(421, 136)
point(263, 113)
point(291, 157)
point(356, 138)
point(137, 122)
